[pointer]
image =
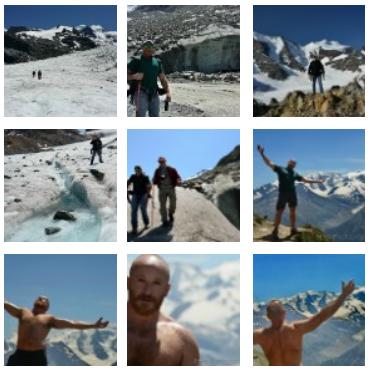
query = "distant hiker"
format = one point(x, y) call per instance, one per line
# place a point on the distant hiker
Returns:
point(316, 73)
point(96, 149)
point(140, 194)
point(282, 342)
point(145, 72)
point(33, 328)
point(33, 74)
point(286, 191)
point(39, 74)
point(166, 178)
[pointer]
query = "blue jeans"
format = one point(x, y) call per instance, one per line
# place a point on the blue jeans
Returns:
point(136, 202)
point(145, 103)
point(319, 79)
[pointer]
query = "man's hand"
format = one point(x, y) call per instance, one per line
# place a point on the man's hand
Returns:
point(347, 288)
point(137, 76)
point(261, 149)
point(101, 324)
point(168, 97)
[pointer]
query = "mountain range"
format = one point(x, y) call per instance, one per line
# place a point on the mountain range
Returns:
point(77, 348)
point(280, 66)
point(23, 44)
point(338, 342)
point(337, 206)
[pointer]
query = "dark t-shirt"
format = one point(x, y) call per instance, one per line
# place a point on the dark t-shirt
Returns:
point(150, 67)
point(140, 183)
point(286, 179)
point(316, 68)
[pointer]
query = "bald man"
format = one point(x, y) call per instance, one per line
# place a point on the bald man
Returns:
point(33, 328)
point(287, 177)
point(154, 339)
point(282, 342)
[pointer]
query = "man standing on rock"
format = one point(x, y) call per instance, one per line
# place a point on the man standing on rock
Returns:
point(286, 191)
point(282, 342)
point(146, 71)
point(316, 73)
point(96, 149)
point(166, 178)
point(33, 328)
point(153, 338)
point(140, 194)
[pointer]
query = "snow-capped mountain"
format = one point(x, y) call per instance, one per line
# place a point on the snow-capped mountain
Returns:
point(77, 348)
point(280, 65)
point(207, 302)
point(23, 44)
point(337, 340)
point(336, 206)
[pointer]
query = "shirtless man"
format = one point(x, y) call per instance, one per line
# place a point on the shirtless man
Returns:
point(153, 338)
point(33, 328)
point(282, 342)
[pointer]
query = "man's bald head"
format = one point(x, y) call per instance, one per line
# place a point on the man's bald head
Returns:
point(276, 312)
point(151, 261)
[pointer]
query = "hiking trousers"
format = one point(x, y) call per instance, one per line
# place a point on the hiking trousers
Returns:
point(164, 194)
point(139, 201)
point(147, 103)
point(320, 85)
point(97, 152)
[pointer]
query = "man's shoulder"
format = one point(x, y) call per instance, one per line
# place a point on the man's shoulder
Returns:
point(182, 332)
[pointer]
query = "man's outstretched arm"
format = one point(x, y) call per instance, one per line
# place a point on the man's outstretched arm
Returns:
point(61, 324)
point(267, 161)
point(327, 312)
point(257, 336)
point(312, 181)
point(12, 309)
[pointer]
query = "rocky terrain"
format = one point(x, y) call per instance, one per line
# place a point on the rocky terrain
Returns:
point(34, 140)
point(56, 195)
point(77, 348)
point(22, 44)
point(338, 342)
point(208, 207)
point(263, 232)
point(282, 87)
point(199, 47)
point(336, 207)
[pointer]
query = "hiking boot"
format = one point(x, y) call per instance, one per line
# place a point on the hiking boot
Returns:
point(275, 235)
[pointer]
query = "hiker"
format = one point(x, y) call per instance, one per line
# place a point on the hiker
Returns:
point(33, 74)
point(33, 328)
point(140, 194)
point(153, 338)
point(286, 191)
point(166, 178)
point(282, 342)
point(96, 149)
point(316, 72)
point(39, 74)
point(145, 72)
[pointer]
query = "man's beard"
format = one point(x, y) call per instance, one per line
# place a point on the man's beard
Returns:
point(145, 305)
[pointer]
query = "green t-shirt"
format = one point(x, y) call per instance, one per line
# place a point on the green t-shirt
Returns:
point(286, 179)
point(150, 67)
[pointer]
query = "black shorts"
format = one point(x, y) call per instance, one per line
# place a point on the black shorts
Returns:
point(286, 198)
point(28, 358)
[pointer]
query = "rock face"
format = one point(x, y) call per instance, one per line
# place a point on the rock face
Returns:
point(22, 44)
point(199, 38)
point(222, 185)
point(35, 140)
point(346, 101)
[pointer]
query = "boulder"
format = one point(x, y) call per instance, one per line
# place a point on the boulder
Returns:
point(64, 215)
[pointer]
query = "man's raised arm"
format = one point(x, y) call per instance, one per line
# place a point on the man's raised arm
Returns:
point(12, 309)
point(327, 312)
point(312, 181)
point(61, 324)
point(267, 161)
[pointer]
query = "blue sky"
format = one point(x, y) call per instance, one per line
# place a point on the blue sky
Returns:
point(201, 260)
point(48, 16)
point(306, 23)
point(79, 287)
point(189, 151)
point(314, 150)
point(281, 275)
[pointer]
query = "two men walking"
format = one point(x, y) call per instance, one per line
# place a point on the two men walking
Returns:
point(166, 178)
